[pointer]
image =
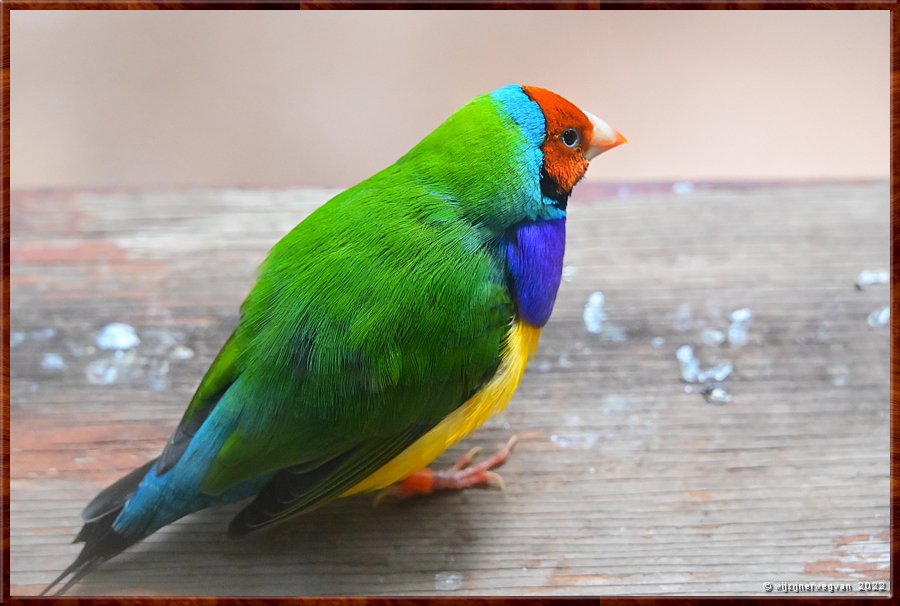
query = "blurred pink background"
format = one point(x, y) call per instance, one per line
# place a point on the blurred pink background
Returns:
point(196, 98)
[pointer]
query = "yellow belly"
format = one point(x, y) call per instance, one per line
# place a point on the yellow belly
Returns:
point(490, 399)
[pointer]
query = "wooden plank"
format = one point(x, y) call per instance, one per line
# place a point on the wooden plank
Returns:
point(623, 483)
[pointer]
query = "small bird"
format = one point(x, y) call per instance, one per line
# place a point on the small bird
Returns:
point(386, 326)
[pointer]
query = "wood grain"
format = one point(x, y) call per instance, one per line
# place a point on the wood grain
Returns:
point(623, 483)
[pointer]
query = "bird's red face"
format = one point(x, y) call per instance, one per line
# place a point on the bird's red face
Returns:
point(573, 138)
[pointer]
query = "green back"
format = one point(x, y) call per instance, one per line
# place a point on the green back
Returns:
point(385, 309)
point(378, 315)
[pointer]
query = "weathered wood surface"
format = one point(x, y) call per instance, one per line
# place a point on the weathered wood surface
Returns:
point(623, 483)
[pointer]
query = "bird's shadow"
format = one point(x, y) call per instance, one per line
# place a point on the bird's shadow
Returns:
point(347, 547)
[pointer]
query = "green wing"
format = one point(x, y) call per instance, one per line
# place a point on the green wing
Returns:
point(296, 490)
point(221, 375)
point(371, 321)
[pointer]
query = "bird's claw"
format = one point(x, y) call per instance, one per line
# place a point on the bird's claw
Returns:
point(462, 474)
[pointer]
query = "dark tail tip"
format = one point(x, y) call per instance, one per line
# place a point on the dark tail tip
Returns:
point(78, 569)
point(101, 543)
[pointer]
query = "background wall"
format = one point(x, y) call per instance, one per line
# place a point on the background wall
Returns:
point(168, 98)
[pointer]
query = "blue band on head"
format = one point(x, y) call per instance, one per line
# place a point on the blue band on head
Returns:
point(525, 113)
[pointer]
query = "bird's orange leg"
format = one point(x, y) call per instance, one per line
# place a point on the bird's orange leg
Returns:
point(460, 475)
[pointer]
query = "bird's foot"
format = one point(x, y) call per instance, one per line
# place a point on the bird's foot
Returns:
point(461, 475)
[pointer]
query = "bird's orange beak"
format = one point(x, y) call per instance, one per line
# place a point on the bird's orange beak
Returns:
point(604, 139)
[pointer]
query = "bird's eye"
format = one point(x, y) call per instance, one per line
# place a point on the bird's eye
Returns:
point(570, 137)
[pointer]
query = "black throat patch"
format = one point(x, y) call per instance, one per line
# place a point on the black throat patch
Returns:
point(551, 190)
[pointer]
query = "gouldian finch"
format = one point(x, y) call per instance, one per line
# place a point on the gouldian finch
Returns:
point(385, 327)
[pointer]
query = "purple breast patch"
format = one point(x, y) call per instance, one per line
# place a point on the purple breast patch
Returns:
point(534, 254)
